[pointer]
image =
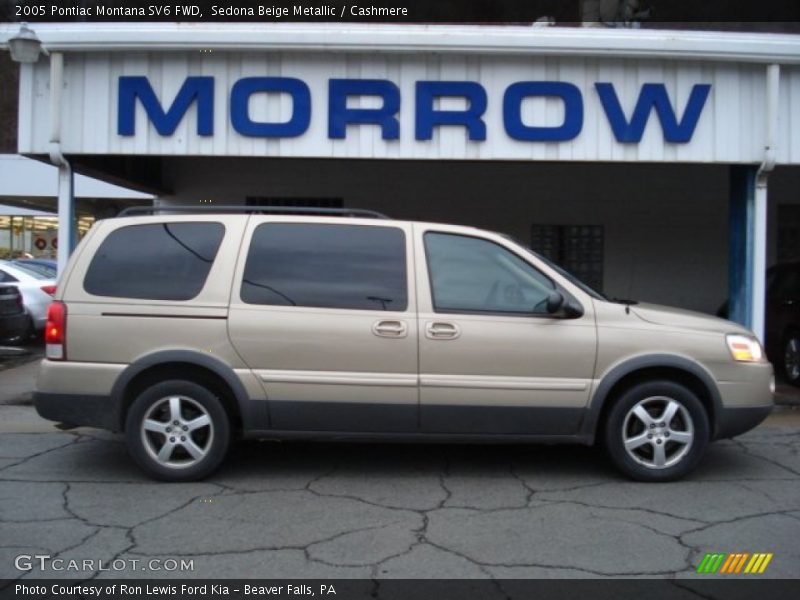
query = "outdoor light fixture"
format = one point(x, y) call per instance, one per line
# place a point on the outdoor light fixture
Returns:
point(25, 47)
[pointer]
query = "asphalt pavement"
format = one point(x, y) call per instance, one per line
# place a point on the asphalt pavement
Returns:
point(301, 510)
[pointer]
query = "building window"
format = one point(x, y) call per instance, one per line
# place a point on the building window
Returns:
point(299, 202)
point(577, 248)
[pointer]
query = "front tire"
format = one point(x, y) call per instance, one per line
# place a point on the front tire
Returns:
point(657, 431)
point(791, 358)
point(177, 430)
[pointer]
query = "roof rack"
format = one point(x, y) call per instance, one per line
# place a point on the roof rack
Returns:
point(285, 210)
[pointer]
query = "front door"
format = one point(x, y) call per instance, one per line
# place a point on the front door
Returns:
point(324, 315)
point(492, 359)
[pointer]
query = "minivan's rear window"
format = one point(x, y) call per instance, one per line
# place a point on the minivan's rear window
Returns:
point(162, 261)
point(329, 266)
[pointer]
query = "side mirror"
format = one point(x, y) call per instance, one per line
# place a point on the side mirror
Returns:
point(555, 300)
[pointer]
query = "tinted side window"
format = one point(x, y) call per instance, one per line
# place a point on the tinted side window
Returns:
point(30, 271)
point(7, 277)
point(469, 274)
point(163, 261)
point(331, 266)
point(45, 271)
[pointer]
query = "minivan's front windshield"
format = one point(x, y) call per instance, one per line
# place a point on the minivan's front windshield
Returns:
point(560, 270)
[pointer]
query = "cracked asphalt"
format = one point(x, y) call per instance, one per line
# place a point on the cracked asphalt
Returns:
point(296, 510)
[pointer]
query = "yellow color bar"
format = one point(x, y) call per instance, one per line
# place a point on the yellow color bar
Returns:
point(759, 562)
point(765, 563)
point(753, 564)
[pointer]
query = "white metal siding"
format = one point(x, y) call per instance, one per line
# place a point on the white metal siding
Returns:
point(730, 128)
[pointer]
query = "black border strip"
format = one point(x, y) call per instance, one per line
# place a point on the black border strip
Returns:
point(706, 12)
point(708, 587)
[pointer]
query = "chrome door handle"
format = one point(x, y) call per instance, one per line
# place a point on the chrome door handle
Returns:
point(442, 331)
point(396, 329)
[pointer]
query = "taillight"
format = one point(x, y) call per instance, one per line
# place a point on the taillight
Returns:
point(49, 289)
point(55, 332)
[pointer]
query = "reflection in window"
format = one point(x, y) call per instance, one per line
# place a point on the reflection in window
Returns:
point(164, 261)
point(469, 274)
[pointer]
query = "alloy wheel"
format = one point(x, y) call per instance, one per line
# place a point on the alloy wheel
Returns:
point(177, 432)
point(658, 432)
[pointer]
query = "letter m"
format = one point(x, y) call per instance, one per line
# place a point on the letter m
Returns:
point(653, 95)
point(165, 122)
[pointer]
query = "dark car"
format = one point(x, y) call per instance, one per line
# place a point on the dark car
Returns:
point(782, 342)
point(783, 319)
point(13, 319)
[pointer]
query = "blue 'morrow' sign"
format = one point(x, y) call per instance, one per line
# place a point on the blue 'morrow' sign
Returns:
point(200, 90)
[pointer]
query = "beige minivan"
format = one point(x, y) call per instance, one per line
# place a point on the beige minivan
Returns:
point(186, 330)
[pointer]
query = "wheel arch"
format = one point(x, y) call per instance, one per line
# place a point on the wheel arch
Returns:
point(646, 368)
point(181, 364)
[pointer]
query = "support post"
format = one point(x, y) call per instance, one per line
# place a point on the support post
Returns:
point(759, 287)
point(66, 184)
point(66, 215)
point(747, 263)
point(740, 260)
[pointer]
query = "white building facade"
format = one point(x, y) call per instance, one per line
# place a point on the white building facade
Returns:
point(642, 159)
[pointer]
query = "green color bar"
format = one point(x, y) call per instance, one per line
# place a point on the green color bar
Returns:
point(714, 567)
point(711, 562)
point(701, 568)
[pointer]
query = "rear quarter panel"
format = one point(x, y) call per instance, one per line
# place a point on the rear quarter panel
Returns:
point(120, 330)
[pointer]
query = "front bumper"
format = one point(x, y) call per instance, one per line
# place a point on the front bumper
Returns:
point(746, 402)
point(735, 421)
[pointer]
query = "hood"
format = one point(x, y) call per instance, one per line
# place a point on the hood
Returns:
point(685, 319)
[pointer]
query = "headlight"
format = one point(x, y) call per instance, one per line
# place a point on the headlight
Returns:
point(744, 348)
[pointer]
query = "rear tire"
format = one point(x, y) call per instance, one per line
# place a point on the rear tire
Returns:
point(177, 430)
point(657, 431)
point(26, 336)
